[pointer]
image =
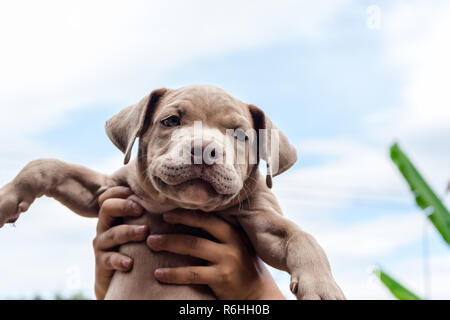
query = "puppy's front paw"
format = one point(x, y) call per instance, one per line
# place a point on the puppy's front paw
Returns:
point(315, 287)
point(12, 204)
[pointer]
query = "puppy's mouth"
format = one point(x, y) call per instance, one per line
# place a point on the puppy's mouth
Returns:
point(196, 186)
point(199, 182)
point(216, 180)
point(192, 194)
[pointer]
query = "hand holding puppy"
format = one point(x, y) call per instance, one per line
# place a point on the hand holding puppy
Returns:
point(233, 272)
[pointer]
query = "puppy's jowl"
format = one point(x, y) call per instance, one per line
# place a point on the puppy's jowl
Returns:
point(199, 149)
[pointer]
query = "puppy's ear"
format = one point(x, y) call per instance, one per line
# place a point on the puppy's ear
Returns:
point(273, 146)
point(125, 127)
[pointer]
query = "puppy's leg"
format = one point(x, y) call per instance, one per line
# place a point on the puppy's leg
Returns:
point(280, 243)
point(74, 186)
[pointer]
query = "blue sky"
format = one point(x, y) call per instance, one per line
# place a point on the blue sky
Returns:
point(340, 90)
point(322, 87)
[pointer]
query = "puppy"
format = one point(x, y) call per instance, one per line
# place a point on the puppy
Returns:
point(190, 142)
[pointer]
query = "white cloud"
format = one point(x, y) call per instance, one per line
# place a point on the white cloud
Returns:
point(415, 37)
point(374, 238)
point(59, 56)
point(349, 171)
point(48, 246)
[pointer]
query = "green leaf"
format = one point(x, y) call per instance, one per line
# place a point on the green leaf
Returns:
point(398, 290)
point(425, 197)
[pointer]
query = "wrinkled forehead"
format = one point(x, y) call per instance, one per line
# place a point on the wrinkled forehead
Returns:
point(209, 104)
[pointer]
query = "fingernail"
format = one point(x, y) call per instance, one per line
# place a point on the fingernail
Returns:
point(159, 273)
point(140, 230)
point(154, 239)
point(126, 262)
point(136, 207)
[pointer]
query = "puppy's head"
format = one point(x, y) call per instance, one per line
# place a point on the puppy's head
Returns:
point(199, 146)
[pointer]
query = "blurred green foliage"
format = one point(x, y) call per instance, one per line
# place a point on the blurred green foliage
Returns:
point(425, 197)
point(427, 200)
point(397, 290)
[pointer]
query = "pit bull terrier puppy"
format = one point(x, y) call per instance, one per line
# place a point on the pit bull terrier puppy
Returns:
point(183, 134)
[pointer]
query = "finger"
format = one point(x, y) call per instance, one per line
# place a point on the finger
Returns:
point(187, 275)
point(187, 245)
point(116, 208)
point(120, 235)
point(217, 227)
point(114, 192)
point(107, 263)
point(113, 261)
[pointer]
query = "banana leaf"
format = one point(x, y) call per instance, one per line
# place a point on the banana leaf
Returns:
point(425, 197)
point(398, 290)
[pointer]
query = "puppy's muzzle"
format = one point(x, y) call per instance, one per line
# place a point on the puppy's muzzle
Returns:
point(207, 154)
point(206, 161)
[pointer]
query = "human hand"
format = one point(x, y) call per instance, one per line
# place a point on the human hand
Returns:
point(234, 271)
point(114, 205)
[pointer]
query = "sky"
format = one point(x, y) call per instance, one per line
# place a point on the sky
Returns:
point(343, 79)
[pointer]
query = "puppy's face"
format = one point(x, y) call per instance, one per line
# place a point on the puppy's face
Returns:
point(199, 146)
point(198, 143)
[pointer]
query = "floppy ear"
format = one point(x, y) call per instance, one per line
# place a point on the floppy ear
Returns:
point(273, 146)
point(125, 127)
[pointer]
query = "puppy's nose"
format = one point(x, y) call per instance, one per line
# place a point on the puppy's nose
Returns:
point(205, 153)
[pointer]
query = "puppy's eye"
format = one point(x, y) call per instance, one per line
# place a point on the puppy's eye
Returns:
point(240, 135)
point(172, 121)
